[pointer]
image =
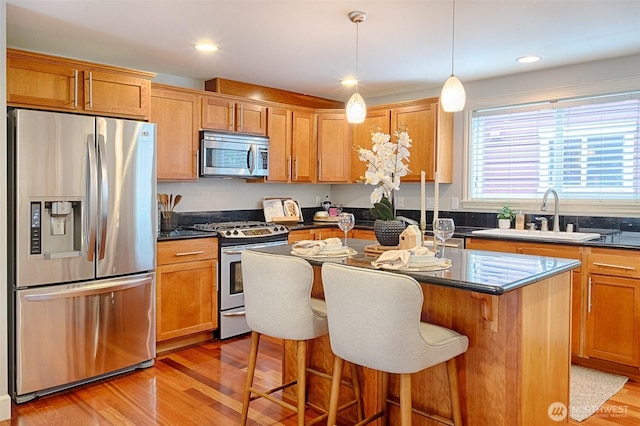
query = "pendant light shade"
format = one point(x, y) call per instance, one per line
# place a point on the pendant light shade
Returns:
point(356, 107)
point(453, 97)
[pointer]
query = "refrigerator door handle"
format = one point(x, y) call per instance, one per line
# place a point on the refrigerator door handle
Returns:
point(90, 210)
point(87, 290)
point(103, 200)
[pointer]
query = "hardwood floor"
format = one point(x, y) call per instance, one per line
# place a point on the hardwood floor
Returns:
point(202, 385)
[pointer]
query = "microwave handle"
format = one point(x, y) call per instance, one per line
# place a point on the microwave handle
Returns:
point(252, 154)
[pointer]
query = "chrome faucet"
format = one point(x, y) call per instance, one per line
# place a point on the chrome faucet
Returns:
point(556, 216)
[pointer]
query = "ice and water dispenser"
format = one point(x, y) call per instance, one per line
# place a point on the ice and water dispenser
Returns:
point(56, 229)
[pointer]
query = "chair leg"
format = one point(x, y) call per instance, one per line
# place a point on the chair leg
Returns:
point(251, 368)
point(452, 371)
point(302, 379)
point(384, 399)
point(405, 399)
point(338, 364)
point(357, 391)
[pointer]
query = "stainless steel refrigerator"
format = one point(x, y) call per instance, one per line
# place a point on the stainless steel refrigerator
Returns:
point(82, 249)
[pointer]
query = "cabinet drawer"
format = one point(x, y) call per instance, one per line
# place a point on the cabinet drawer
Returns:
point(610, 263)
point(187, 250)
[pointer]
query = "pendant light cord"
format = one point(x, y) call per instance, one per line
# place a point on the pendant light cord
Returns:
point(357, 52)
point(453, 33)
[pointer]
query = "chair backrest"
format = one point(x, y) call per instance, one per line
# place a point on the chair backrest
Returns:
point(374, 318)
point(277, 292)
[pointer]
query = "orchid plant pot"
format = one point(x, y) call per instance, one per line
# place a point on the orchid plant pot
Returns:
point(388, 232)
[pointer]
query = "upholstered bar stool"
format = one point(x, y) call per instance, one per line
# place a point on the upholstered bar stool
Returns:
point(374, 321)
point(278, 303)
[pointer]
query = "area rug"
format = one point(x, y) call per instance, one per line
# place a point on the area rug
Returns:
point(589, 389)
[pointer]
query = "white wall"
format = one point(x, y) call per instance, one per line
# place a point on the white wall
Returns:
point(5, 401)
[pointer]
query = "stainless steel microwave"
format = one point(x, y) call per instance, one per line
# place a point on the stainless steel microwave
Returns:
point(233, 155)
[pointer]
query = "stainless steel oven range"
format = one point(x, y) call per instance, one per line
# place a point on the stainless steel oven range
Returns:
point(233, 238)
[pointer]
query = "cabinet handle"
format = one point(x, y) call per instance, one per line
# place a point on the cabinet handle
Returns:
point(241, 118)
point(610, 265)
point(319, 168)
point(295, 166)
point(589, 296)
point(190, 253)
point(75, 88)
point(90, 90)
point(289, 168)
point(231, 115)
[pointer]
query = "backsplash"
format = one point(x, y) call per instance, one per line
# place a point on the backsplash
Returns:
point(461, 219)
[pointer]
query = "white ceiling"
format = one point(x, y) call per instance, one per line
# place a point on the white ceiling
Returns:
point(308, 46)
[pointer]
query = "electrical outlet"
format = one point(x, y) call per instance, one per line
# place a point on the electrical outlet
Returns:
point(430, 201)
point(400, 201)
point(455, 203)
point(318, 201)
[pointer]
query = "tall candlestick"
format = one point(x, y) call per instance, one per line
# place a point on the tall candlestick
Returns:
point(436, 197)
point(423, 218)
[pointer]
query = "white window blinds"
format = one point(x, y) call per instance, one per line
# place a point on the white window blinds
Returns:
point(586, 149)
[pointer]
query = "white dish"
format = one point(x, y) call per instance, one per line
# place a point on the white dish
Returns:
point(418, 261)
point(348, 251)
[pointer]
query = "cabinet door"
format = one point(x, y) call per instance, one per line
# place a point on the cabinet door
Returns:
point(361, 138)
point(217, 114)
point(613, 316)
point(279, 130)
point(176, 114)
point(420, 122)
point(363, 234)
point(186, 299)
point(116, 94)
point(303, 153)
point(251, 118)
point(334, 148)
point(300, 235)
point(42, 83)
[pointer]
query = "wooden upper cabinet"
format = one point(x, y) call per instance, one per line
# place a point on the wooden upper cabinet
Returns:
point(431, 132)
point(176, 113)
point(115, 94)
point(303, 147)
point(220, 113)
point(334, 148)
point(280, 132)
point(49, 82)
point(361, 138)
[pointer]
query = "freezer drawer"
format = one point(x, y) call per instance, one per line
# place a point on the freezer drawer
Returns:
point(72, 333)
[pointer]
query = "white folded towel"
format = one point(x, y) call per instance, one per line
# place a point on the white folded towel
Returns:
point(398, 259)
point(313, 247)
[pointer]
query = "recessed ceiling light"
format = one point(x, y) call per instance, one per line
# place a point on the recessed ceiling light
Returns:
point(528, 59)
point(349, 82)
point(206, 47)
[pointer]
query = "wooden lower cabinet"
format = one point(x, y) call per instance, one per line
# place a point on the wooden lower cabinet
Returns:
point(613, 310)
point(613, 317)
point(324, 232)
point(186, 295)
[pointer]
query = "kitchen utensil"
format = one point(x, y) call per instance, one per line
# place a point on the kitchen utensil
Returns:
point(177, 200)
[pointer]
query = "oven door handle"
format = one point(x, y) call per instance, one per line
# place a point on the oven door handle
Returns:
point(231, 251)
point(235, 314)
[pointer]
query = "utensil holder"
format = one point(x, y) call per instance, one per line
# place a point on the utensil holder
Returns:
point(168, 221)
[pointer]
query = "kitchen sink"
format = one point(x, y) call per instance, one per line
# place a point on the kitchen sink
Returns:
point(522, 234)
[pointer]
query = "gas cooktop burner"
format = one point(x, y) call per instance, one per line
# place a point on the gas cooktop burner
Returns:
point(243, 229)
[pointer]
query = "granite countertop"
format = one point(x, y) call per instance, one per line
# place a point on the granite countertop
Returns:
point(472, 270)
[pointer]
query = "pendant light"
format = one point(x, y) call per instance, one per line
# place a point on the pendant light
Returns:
point(356, 108)
point(453, 97)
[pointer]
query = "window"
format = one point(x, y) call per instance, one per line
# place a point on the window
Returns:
point(586, 149)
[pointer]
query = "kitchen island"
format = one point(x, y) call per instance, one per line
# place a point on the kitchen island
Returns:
point(516, 311)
